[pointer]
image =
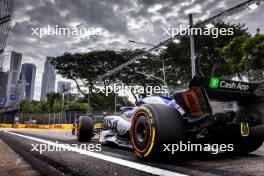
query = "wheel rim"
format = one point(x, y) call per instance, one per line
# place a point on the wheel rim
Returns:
point(142, 132)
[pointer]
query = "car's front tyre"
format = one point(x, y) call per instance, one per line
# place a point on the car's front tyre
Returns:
point(85, 129)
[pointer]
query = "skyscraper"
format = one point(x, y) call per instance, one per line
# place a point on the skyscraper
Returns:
point(28, 74)
point(63, 87)
point(12, 93)
point(48, 79)
point(3, 86)
point(6, 8)
point(21, 89)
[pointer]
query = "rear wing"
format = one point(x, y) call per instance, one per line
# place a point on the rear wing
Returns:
point(228, 90)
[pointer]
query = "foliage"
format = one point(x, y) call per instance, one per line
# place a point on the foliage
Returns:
point(236, 54)
point(245, 56)
point(52, 98)
point(210, 58)
point(253, 53)
point(75, 106)
point(26, 107)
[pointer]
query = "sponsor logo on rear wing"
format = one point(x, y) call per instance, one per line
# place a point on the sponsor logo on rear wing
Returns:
point(216, 83)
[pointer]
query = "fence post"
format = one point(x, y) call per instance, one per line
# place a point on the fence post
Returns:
point(74, 118)
point(53, 118)
point(69, 117)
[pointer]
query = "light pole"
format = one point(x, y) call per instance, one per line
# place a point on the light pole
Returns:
point(115, 102)
point(88, 101)
point(192, 47)
point(163, 68)
point(62, 105)
point(65, 88)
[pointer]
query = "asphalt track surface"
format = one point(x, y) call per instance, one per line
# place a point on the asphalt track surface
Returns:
point(113, 160)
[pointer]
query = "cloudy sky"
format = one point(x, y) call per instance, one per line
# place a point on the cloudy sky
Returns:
point(120, 21)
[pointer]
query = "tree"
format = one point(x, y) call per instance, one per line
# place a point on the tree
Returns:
point(210, 60)
point(40, 107)
point(75, 106)
point(26, 107)
point(245, 56)
point(86, 67)
point(143, 72)
point(214, 57)
point(254, 52)
point(234, 54)
point(52, 97)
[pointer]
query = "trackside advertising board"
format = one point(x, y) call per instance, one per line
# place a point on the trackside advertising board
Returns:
point(38, 126)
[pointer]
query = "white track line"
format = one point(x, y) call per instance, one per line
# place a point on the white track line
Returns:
point(130, 164)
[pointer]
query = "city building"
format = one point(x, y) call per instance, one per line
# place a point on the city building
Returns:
point(3, 87)
point(28, 74)
point(48, 79)
point(6, 8)
point(21, 89)
point(12, 92)
point(63, 87)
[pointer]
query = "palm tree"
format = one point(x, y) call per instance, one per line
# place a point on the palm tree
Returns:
point(26, 107)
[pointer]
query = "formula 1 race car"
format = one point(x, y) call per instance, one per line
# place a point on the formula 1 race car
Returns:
point(212, 110)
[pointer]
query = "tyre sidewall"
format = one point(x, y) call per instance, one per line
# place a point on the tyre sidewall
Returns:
point(85, 129)
point(166, 128)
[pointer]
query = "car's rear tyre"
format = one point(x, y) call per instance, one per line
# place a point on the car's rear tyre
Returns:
point(85, 129)
point(153, 126)
point(247, 145)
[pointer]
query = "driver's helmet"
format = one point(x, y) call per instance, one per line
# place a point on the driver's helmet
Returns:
point(139, 102)
point(128, 114)
point(106, 114)
point(127, 111)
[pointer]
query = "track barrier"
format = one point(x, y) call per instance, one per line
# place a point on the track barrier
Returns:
point(38, 126)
